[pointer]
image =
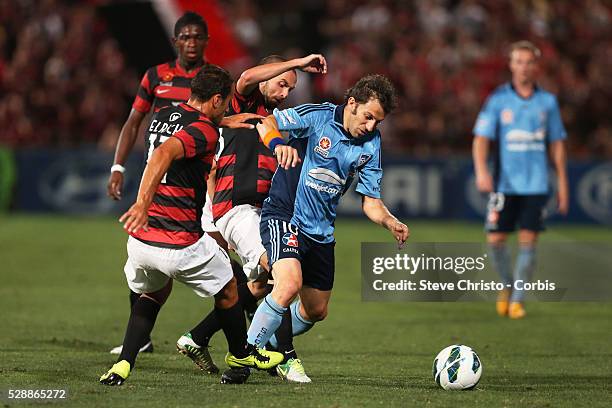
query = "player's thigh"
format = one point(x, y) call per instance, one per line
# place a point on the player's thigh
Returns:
point(318, 265)
point(240, 227)
point(532, 214)
point(314, 303)
point(204, 267)
point(502, 213)
point(142, 272)
point(280, 239)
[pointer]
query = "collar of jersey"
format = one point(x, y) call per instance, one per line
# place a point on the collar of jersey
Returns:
point(182, 71)
point(536, 88)
point(188, 108)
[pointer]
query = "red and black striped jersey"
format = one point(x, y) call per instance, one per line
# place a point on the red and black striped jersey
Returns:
point(245, 166)
point(176, 210)
point(164, 85)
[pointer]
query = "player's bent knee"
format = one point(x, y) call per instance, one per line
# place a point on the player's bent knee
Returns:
point(285, 293)
point(496, 238)
point(161, 295)
point(316, 313)
point(527, 237)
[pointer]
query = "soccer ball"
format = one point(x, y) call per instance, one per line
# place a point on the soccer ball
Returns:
point(457, 367)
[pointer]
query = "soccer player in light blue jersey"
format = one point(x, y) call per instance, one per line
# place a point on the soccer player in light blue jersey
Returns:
point(338, 144)
point(524, 121)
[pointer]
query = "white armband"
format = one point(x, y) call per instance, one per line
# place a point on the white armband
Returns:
point(117, 167)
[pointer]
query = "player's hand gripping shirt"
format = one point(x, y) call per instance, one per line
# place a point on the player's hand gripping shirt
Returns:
point(333, 158)
point(523, 128)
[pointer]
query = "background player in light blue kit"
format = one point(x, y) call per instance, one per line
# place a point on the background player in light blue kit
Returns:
point(525, 122)
point(297, 222)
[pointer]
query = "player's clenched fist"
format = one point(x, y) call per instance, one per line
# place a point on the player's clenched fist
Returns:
point(135, 218)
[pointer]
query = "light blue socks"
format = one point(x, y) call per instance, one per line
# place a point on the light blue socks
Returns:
point(298, 323)
point(523, 270)
point(265, 322)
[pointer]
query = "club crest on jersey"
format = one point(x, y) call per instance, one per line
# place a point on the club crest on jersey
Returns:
point(363, 159)
point(174, 116)
point(167, 77)
point(507, 116)
point(323, 146)
point(290, 239)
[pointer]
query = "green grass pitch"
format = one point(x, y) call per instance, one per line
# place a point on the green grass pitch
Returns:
point(64, 304)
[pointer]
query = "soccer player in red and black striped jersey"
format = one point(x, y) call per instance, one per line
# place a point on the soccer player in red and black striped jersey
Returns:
point(245, 167)
point(163, 85)
point(166, 239)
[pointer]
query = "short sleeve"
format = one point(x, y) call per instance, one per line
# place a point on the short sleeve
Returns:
point(198, 139)
point(370, 173)
point(556, 130)
point(144, 95)
point(486, 123)
point(247, 103)
point(300, 117)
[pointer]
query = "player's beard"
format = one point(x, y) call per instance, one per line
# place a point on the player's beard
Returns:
point(269, 103)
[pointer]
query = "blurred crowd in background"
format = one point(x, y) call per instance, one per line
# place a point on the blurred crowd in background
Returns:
point(64, 79)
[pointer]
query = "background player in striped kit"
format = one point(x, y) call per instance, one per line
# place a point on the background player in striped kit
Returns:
point(166, 238)
point(525, 122)
point(245, 167)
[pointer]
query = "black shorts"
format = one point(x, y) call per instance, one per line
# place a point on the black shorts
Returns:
point(283, 240)
point(506, 211)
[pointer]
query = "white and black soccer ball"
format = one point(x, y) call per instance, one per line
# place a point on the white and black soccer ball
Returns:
point(457, 367)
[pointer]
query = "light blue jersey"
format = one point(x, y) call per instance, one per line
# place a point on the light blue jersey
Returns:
point(523, 128)
point(332, 160)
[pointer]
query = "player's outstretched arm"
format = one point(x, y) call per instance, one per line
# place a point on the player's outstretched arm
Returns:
point(136, 217)
point(270, 135)
point(378, 212)
point(248, 81)
point(480, 152)
point(559, 160)
point(125, 143)
point(238, 121)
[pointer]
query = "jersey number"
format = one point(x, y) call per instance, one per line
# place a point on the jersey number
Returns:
point(155, 141)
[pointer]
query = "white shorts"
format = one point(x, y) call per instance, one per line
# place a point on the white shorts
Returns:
point(203, 266)
point(240, 228)
point(207, 216)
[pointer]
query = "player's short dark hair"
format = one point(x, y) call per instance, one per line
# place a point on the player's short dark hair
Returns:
point(270, 59)
point(209, 81)
point(374, 86)
point(525, 45)
point(190, 18)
